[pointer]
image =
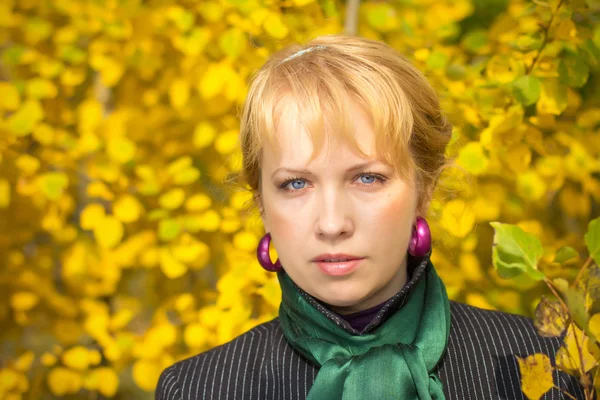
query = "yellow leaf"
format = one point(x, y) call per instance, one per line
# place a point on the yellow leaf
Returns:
point(504, 69)
point(109, 232)
point(458, 218)
point(470, 266)
point(146, 374)
point(52, 184)
point(24, 120)
point(567, 356)
point(245, 240)
point(91, 216)
point(302, 3)
point(473, 158)
point(531, 186)
point(121, 149)
point(179, 93)
point(594, 326)
point(227, 141)
point(89, 115)
point(518, 158)
point(189, 249)
point(214, 80)
point(170, 266)
point(195, 335)
point(76, 358)
point(536, 372)
point(63, 381)
point(172, 199)
point(204, 135)
point(186, 176)
point(274, 26)
point(211, 221)
point(111, 70)
point(4, 193)
point(478, 300)
point(24, 301)
point(43, 133)
point(48, 359)
point(211, 11)
point(550, 318)
point(39, 88)
point(23, 363)
point(10, 99)
point(27, 164)
point(198, 202)
point(127, 208)
point(162, 335)
point(108, 381)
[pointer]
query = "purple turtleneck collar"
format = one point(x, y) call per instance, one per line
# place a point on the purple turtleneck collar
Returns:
point(360, 319)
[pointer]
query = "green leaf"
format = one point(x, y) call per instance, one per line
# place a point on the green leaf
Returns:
point(22, 122)
point(472, 156)
point(592, 239)
point(575, 300)
point(52, 184)
point(526, 89)
point(168, 229)
point(233, 42)
point(573, 71)
point(382, 17)
point(516, 251)
point(437, 60)
point(553, 97)
point(565, 254)
point(475, 40)
point(456, 72)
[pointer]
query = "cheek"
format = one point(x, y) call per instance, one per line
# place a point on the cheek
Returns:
point(284, 221)
point(392, 214)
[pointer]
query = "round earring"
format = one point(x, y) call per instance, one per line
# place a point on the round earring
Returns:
point(420, 242)
point(262, 253)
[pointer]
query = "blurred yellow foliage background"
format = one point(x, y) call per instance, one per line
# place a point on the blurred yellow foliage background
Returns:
point(122, 247)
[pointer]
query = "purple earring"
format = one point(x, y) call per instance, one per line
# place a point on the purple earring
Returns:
point(262, 254)
point(420, 242)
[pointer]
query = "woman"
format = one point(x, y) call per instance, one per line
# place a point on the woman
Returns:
point(343, 142)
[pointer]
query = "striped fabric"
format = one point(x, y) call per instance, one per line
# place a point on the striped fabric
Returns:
point(479, 363)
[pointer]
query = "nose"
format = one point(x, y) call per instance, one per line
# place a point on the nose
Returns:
point(334, 210)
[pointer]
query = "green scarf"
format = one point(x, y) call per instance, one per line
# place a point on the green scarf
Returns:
point(395, 361)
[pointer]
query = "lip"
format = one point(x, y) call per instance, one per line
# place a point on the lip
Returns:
point(338, 268)
point(344, 256)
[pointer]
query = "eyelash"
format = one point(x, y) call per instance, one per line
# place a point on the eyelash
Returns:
point(379, 180)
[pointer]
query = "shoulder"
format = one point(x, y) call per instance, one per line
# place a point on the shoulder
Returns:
point(484, 346)
point(500, 328)
point(224, 367)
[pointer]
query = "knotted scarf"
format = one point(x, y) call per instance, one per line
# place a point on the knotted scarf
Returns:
point(395, 361)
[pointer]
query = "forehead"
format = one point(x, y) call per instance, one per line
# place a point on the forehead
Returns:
point(296, 145)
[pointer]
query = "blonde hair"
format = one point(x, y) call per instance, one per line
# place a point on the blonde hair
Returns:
point(322, 77)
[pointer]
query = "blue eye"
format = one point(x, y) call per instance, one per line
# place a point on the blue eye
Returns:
point(297, 184)
point(368, 176)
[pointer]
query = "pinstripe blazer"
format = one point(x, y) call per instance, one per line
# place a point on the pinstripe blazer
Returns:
point(479, 362)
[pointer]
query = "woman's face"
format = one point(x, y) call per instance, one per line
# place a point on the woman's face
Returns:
point(340, 203)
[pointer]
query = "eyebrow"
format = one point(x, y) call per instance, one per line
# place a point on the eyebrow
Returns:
point(307, 172)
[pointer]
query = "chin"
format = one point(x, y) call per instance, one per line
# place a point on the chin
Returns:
point(342, 294)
